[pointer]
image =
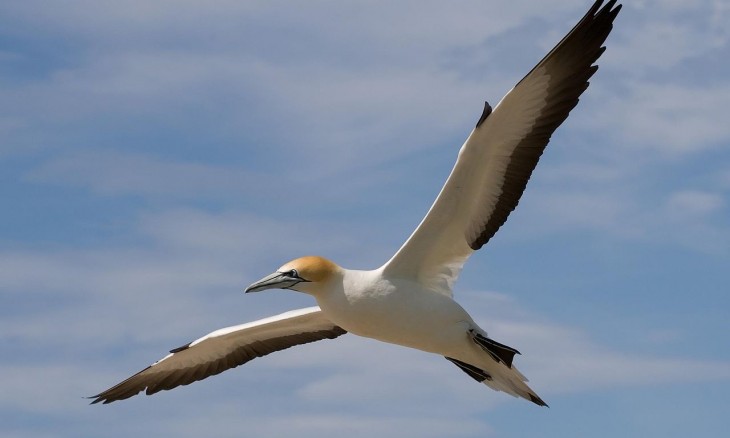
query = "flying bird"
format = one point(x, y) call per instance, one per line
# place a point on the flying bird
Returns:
point(409, 301)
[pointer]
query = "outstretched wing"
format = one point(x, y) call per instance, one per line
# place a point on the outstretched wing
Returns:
point(224, 349)
point(497, 159)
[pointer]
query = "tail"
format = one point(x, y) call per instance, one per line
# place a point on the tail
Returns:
point(499, 373)
point(511, 381)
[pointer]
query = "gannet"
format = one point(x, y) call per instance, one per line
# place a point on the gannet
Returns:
point(408, 301)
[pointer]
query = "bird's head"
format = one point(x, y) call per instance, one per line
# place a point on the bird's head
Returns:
point(309, 274)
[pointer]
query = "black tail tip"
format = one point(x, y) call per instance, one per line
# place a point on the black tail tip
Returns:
point(538, 401)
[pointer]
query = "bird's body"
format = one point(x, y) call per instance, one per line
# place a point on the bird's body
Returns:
point(394, 310)
point(404, 312)
point(409, 300)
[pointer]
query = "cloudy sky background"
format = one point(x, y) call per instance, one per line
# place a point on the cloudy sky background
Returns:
point(157, 157)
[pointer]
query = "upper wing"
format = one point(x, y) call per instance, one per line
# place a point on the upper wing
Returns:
point(223, 349)
point(497, 159)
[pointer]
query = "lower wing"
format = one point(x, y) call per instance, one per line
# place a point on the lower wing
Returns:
point(224, 349)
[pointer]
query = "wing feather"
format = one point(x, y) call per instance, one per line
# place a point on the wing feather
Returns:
point(225, 349)
point(499, 156)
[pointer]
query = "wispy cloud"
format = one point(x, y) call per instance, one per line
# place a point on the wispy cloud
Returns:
point(692, 204)
point(667, 33)
point(355, 375)
point(670, 119)
point(115, 173)
point(236, 135)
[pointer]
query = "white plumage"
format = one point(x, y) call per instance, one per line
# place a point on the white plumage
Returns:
point(408, 301)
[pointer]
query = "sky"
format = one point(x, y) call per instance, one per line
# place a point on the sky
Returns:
point(158, 157)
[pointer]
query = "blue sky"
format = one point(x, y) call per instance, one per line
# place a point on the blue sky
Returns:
point(157, 157)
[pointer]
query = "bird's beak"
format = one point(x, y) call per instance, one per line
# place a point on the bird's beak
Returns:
point(277, 280)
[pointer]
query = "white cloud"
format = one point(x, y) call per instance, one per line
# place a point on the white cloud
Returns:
point(283, 182)
point(239, 235)
point(564, 359)
point(660, 36)
point(693, 218)
point(109, 288)
point(186, 262)
point(328, 424)
point(339, 88)
point(558, 359)
point(693, 204)
point(46, 388)
point(408, 23)
point(656, 121)
point(584, 209)
point(689, 219)
point(334, 105)
point(582, 173)
point(142, 302)
point(115, 173)
point(335, 378)
point(128, 89)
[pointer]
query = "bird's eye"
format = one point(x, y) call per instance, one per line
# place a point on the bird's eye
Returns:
point(293, 273)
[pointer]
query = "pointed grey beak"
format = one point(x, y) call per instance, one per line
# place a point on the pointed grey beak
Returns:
point(277, 280)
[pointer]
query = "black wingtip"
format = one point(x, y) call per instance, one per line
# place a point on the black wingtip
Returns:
point(537, 400)
point(614, 12)
point(596, 6)
point(608, 8)
point(96, 399)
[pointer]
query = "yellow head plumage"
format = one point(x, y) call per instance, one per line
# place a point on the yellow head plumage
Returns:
point(312, 268)
point(310, 274)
